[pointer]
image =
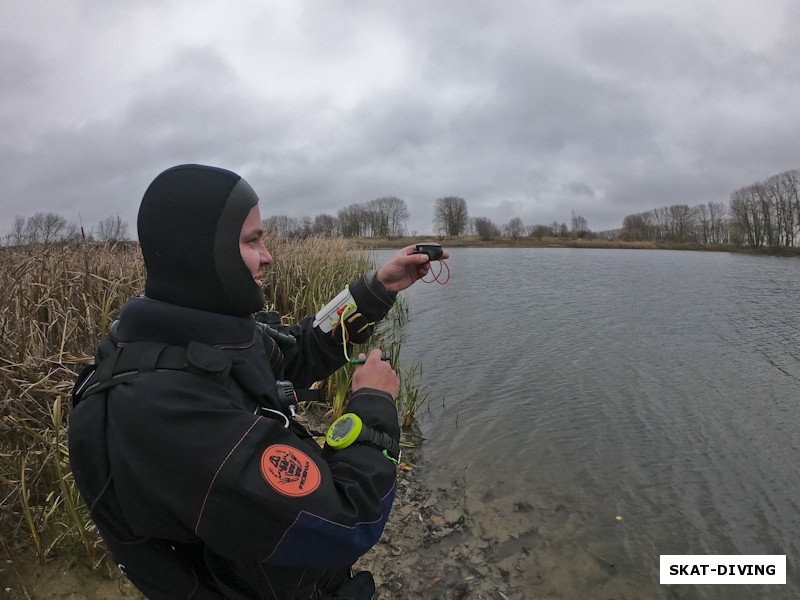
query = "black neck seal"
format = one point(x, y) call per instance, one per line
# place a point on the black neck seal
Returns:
point(189, 224)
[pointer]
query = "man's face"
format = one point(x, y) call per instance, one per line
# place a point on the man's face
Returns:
point(251, 246)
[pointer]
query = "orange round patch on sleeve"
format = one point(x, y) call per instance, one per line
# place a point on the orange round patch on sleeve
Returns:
point(289, 471)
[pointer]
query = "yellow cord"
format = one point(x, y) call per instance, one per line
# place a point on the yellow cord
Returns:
point(348, 308)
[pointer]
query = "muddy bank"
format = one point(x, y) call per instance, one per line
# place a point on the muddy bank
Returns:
point(451, 543)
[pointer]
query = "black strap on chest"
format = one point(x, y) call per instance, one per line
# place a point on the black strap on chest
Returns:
point(130, 360)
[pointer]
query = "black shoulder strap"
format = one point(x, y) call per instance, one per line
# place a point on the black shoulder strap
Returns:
point(130, 360)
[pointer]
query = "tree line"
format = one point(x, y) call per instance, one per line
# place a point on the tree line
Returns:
point(765, 213)
point(679, 223)
point(387, 217)
point(49, 228)
point(381, 217)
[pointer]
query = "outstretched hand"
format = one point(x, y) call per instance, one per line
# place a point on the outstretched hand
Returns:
point(404, 269)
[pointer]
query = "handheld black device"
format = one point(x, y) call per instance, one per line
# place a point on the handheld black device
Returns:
point(434, 251)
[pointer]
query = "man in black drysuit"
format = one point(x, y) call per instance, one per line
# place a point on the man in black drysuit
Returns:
point(182, 438)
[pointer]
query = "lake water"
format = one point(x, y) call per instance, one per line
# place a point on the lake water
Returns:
point(604, 407)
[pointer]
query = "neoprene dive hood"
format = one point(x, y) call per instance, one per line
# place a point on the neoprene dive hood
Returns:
point(189, 225)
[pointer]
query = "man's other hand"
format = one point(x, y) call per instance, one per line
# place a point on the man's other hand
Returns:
point(376, 373)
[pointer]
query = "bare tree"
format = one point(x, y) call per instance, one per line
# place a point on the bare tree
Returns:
point(785, 207)
point(558, 230)
point(704, 222)
point(470, 229)
point(717, 213)
point(790, 185)
point(746, 214)
point(515, 228)
point(56, 228)
point(305, 227)
point(709, 222)
point(768, 212)
point(376, 223)
point(378, 217)
point(18, 235)
point(277, 225)
point(286, 226)
point(42, 228)
point(450, 215)
point(112, 229)
point(398, 215)
point(325, 225)
point(485, 229)
point(352, 220)
point(680, 223)
point(766, 205)
point(540, 231)
point(46, 228)
point(637, 228)
point(580, 227)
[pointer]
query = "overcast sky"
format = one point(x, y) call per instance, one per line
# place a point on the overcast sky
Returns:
point(529, 109)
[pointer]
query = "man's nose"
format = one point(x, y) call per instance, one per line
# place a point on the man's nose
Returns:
point(266, 257)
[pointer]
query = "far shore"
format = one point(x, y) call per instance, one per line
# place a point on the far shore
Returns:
point(388, 243)
point(533, 242)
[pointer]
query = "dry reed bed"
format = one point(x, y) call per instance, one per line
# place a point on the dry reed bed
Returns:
point(55, 303)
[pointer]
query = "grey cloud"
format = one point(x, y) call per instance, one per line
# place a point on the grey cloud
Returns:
point(519, 108)
point(579, 188)
point(21, 72)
